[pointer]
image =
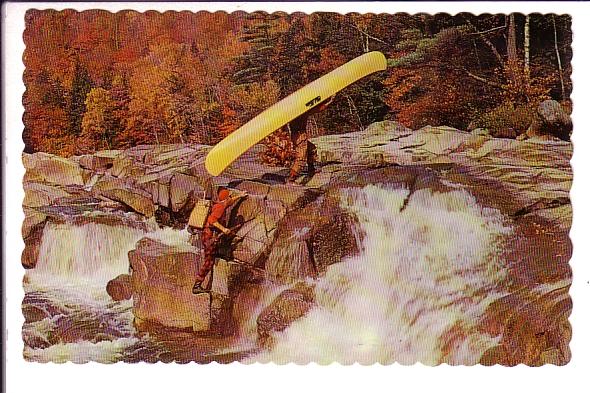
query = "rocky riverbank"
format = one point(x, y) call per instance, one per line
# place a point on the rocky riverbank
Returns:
point(290, 235)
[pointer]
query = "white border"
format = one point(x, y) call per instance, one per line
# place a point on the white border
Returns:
point(33, 377)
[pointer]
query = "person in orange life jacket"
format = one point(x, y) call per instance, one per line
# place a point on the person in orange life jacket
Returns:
point(212, 232)
point(304, 150)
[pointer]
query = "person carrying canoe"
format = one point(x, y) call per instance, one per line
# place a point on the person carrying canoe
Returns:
point(305, 151)
point(214, 229)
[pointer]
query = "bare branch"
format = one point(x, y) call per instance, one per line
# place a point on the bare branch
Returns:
point(487, 31)
point(489, 44)
point(368, 35)
point(484, 80)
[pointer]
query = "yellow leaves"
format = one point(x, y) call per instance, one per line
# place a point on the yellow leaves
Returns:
point(254, 98)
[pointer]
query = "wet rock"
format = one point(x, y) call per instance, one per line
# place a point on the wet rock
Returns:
point(162, 278)
point(289, 306)
point(327, 248)
point(32, 241)
point(533, 325)
point(120, 287)
point(290, 259)
point(309, 240)
point(44, 167)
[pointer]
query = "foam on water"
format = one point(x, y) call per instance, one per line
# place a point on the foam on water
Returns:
point(414, 293)
point(82, 352)
point(179, 239)
point(87, 254)
point(68, 285)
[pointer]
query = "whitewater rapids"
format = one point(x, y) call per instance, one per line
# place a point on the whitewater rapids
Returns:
point(425, 274)
point(427, 269)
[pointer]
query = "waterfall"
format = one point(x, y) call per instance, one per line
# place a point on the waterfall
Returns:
point(69, 316)
point(91, 253)
point(424, 275)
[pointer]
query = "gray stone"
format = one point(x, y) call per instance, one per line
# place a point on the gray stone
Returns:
point(181, 186)
point(39, 194)
point(551, 119)
point(163, 277)
point(253, 239)
point(225, 277)
point(52, 169)
point(289, 306)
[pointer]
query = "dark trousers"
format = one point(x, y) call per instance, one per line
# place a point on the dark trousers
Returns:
point(210, 241)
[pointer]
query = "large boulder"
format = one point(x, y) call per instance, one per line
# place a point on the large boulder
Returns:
point(40, 194)
point(123, 191)
point(181, 187)
point(162, 278)
point(551, 120)
point(287, 307)
point(48, 168)
point(100, 161)
point(310, 239)
point(161, 286)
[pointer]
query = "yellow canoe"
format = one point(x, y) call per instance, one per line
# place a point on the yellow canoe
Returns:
point(289, 108)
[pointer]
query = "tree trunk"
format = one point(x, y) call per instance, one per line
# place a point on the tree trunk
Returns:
point(527, 46)
point(558, 59)
point(511, 49)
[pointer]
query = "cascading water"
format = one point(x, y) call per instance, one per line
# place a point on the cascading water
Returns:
point(68, 314)
point(424, 275)
point(426, 271)
point(94, 253)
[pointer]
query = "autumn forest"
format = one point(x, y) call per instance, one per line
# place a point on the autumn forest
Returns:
point(97, 80)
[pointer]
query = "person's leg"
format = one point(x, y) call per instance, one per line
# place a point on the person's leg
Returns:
point(311, 157)
point(300, 161)
point(209, 245)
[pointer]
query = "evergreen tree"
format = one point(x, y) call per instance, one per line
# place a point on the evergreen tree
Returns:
point(81, 86)
point(288, 63)
point(253, 66)
point(52, 91)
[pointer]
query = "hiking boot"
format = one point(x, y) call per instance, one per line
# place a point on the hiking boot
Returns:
point(197, 288)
